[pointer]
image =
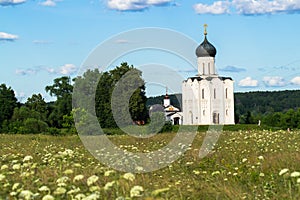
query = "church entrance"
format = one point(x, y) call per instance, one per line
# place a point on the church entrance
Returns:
point(216, 118)
point(176, 120)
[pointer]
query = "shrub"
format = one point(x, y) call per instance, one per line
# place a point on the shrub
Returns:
point(35, 126)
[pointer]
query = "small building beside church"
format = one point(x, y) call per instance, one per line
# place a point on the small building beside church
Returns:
point(207, 98)
point(172, 113)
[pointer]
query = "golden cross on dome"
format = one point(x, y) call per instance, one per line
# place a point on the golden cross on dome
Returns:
point(205, 29)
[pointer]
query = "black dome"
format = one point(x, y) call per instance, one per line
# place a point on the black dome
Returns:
point(206, 49)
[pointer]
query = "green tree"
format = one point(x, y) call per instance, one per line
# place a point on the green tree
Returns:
point(98, 87)
point(37, 103)
point(8, 102)
point(62, 90)
point(126, 95)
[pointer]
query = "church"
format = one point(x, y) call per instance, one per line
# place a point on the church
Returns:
point(207, 98)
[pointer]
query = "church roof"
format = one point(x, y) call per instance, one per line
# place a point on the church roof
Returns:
point(206, 49)
point(209, 78)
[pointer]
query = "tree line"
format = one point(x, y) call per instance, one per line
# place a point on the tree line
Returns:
point(38, 116)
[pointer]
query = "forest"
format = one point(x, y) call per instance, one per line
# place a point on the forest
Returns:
point(275, 109)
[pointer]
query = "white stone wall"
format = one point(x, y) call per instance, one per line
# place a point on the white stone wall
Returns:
point(199, 110)
point(206, 66)
point(229, 102)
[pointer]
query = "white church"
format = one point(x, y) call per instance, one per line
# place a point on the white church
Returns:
point(207, 98)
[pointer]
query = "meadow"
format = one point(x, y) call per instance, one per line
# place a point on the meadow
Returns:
point(248, 164)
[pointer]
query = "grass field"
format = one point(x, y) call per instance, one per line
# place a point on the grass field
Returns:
point(244, 165)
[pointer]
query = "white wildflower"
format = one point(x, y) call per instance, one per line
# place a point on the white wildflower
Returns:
point(189, 163)
point(44, 189)
point(136, 191)
point(16, 166)
point(215, 173)
point(295, 174)
point(2, 177)
point(78, 165)
point(63, 179)
point(48, 197)
point(76, 190)
point(109, 185)
point(92, 197)
point(26, 194)
point(91, 180)
point(13, 194)
point(261, 174)
point(260, 158)
point(196, 172)
point(78, 178)
point(129, 176)
point(139, 168)
point(283, 171)
point(68, 171)
point(94, 188)
point(60, 191)
point(27, 158)
point(15, 186)
point(4, 167)
point(109, 172)
point(80, 196)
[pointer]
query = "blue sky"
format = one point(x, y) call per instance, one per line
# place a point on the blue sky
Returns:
point(257, 41)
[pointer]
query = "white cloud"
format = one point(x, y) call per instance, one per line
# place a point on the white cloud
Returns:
point(67, 69)
point(218, 7)
point(11, 2)
point(248, 82)
point(249, 7)
point(29, 71)
point(274, 81)
point(135, 5)
point(41, 42)
point(49, 3)
point(8, 37)
point(296, 80)
point(233, 69)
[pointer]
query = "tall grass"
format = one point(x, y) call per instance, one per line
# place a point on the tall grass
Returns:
point(245, 165)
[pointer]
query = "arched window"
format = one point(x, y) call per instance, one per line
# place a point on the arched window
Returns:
point(203, 112)
point(215, 93)
point(203, 66)
point(226, 93)
point(226, 112)
point(208, 68)
point(202, 93)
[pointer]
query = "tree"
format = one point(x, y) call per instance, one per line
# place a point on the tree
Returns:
point(99, 87)
point(62, 87)
point(126, 96)
point(37, 103)
point(62, 90)
point(8, 102)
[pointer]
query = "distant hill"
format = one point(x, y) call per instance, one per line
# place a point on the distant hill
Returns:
point(255, 102)
point(266, 102)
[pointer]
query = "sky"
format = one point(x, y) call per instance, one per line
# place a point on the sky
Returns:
point(257, 41)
